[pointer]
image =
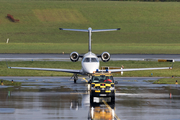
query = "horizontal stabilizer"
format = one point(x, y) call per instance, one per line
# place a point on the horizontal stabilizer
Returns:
point(90, 30)
point(79, 30)
point(103, 30)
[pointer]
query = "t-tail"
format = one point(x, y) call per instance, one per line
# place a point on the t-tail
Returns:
point(89, 30)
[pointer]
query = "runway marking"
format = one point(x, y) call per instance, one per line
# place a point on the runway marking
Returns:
point(111, 109)
point(85, 79)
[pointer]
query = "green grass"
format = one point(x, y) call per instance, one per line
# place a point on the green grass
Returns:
point(146, 27)
point(167, 81)
point(9, 83)
point(77, 65)
point(142, 48)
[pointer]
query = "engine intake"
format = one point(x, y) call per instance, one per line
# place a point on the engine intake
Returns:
point(105, 56)
point(74, 56)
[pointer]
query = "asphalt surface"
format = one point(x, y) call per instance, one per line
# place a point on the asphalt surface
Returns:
point(54, 98)
point(65, 57)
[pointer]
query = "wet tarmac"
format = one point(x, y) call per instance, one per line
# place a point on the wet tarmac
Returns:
point(58, 98)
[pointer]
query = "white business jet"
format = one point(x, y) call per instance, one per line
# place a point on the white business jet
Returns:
point(90, 61)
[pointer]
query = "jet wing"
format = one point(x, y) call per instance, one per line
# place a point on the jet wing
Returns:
point(48, 69)
point(137, 69)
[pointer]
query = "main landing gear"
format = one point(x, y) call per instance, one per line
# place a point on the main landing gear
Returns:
point(75, 78)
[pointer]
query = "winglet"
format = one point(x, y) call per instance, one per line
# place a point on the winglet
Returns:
point(172, 66)
point(61, 28)
point(7, 65)
point(118, 28)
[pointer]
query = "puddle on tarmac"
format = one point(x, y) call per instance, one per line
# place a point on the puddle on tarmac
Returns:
point(6, 110)
point(58, 98)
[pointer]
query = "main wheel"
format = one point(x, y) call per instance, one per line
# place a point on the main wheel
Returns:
point(113, 99)
point(91, 99)
point(74, 80)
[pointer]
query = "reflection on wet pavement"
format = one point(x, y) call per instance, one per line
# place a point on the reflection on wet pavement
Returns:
point(58, 98)
point(101, 111)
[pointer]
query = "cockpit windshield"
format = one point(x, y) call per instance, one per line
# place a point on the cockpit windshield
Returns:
point(86, 60)
point(106, 79)
point(94, 60)
point(90, 60)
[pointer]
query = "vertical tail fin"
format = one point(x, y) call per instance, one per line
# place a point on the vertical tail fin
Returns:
point(90, 30)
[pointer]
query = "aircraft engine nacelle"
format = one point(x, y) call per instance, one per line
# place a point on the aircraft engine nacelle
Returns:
point(74, 56)
point(105, 56)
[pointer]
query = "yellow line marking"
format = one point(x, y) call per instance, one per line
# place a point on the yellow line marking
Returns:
point(111, 109)
point(85, 79)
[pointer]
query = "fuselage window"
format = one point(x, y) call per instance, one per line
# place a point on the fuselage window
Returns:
point(94, 60)
point(86, 60)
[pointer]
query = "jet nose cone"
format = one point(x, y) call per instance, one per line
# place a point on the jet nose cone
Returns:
point(90, 68)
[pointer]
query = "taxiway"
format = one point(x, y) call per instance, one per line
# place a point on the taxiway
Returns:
point(54, 98)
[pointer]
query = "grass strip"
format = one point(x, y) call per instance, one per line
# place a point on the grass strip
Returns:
point(123, 48)
point(146, 27)
point(167, 81)
point(10, 83)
